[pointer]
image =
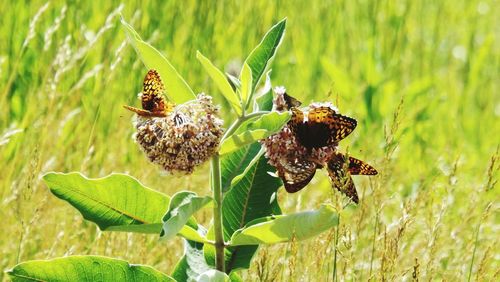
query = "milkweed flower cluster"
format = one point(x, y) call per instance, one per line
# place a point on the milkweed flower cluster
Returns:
point(283, 147)
point(188, 136)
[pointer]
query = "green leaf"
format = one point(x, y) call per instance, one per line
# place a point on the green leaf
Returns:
point(235, 277)
point(177, 90)
point(254, 130)
point(234, 81)
point(235, 163)
point(192, 264)
point(271, 122)
point(221, 82)
point(237, 141)
point(246, 85)
point(260, 57)
point(264, 101)
point(213, 275)
point(284, 228)
point(252, 195)
point(85, 268)
point(117, 202)
point(182, 206)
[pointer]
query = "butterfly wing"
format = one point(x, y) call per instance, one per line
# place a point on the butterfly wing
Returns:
point(340, 168)
point(152, 92)
point(340, 127)
point(296, 174)
point(338, 171)
point(323, 127)
point(296, 120)
point(359, 167)
point(291, 101)
point(152, 99)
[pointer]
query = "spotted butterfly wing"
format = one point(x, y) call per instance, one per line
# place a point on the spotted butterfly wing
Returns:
point(340, 168)
point(296, 174)
point(341, 178)
point(359, 167)
point(323, 127)
point(152, 99)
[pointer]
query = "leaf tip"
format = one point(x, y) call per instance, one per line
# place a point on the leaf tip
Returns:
point(49, 175)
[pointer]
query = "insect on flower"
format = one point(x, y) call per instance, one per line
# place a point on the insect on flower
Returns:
point(178, 138)
point(152, 97)
point(309, 142)
point(320, 127)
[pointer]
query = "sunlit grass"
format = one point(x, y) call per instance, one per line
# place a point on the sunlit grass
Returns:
point(420, 77)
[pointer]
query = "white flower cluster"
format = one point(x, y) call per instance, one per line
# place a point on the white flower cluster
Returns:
point(283, 147)
point(188, 136)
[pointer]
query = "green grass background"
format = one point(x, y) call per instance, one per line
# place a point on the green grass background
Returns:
point(421, 78)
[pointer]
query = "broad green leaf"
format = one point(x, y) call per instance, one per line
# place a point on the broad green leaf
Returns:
point(260, 57)
point(220, 80)
point(182, 206)
point(237, 141)
point(84, 268)
point(284, 228)
point(264, 100)
point(189, 233)
point(213, 275)
point(235, 163)
point(254, 130)
point(271, 122)
point(117, 202)
point(192, 264)
point(177, 90)
point(252, 195)
point(246, 85)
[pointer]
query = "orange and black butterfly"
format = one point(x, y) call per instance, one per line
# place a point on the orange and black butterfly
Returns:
point(320, 127)
point(297, 174)
point(152, 97)
point(340, 168)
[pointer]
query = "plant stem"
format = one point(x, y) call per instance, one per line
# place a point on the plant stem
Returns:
point(335, 253)
point(218, 229)
point(474, 251)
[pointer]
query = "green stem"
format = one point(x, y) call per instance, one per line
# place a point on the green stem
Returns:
point(335, 253)
point(474, 251)
point(218, 229)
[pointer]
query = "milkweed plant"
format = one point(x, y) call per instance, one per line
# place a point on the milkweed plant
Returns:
point(250, 160)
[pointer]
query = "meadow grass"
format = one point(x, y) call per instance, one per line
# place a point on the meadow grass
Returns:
point(421, 78)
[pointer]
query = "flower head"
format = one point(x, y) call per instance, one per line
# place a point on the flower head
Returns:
point(283, 147)
point(186, 137)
